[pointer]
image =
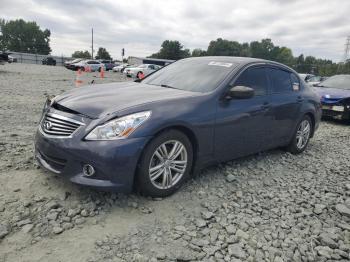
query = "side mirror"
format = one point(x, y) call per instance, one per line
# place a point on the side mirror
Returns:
point(241, 92)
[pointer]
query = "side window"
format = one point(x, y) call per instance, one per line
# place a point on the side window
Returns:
point(280, 81)
point(254, 78)
point(295, 82)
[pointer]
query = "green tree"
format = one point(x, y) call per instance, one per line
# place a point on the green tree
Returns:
point(171, 50)
point(222, 47)
point(245, 50)
point(263, 49)
point(102, 53)
point(21, 36)
point(198, 52)
point(283, 55)
point(82, 54)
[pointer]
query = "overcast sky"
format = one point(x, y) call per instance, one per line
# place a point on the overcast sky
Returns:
point(312, 27)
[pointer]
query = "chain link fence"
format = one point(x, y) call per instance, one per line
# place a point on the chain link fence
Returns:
point(28, 58)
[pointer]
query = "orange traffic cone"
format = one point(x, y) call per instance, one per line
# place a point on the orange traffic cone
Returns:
point(87, 69)
point(102, 72)
point(78, 81)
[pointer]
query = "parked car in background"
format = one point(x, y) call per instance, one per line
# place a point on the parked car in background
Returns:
point(306, 77)
point(4, 57)
point(108, 64)
point(70, 64)
point(120, 68)
point(49, 61)
point(154, 133)
point(93, 65)
point(315, 80)
point(12, 59)
point(144, 69)
point(335, 96)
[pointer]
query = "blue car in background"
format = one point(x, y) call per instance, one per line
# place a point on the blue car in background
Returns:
point(152, 134)
point(334, 93)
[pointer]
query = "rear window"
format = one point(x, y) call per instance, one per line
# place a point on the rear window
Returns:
point(280, 80)
point(295, 82)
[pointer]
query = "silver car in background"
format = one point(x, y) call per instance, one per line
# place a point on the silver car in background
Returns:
point(138, 71)
point(91, 65)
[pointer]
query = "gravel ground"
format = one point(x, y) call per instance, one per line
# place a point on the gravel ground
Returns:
point(272, 206)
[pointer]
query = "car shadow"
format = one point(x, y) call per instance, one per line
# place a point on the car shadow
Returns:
point(331, 120)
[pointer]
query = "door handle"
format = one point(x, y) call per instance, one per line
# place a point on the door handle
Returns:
point(300, 99)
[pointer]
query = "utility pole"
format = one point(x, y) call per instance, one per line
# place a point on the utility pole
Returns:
point(92, 43)
point(123, 53)
point(346, 56)
point(347, 50)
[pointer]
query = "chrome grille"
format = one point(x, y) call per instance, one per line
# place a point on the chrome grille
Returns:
point(59, 126)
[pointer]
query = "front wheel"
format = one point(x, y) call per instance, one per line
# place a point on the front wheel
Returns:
point(301, 137)
point(165, 164)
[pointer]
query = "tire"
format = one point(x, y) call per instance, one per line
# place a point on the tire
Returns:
point(301, 136)
point(162, 184)
point(138, 75)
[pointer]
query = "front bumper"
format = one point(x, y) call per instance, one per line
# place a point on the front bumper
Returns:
point(114, 161)
point(336, 111)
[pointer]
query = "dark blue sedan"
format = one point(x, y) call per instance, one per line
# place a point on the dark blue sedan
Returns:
point(153, 134)
point(335, 96)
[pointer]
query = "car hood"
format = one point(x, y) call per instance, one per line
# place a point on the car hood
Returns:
point(99, 100)
point(332, 95)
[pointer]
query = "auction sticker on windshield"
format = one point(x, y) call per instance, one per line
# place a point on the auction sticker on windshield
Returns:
point(220, 64)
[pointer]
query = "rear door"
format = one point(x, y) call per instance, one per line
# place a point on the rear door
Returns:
point(286, 101)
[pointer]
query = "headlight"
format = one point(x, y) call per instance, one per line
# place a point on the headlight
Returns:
point(118, 128)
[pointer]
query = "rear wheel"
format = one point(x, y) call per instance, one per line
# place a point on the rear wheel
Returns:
point(301, 136)
point(138, 76)
point(165, 164)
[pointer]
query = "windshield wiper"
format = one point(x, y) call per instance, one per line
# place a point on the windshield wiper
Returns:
point(167, 86)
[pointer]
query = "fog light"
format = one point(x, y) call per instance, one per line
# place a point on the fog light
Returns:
point(88, 170)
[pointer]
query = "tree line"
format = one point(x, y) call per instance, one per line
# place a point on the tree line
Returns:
point(27, 37)
point(264, 49)
point(102, 53)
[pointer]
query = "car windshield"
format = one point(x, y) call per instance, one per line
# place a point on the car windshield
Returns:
point(339, 81)
point(194, 74)
point(76, 61)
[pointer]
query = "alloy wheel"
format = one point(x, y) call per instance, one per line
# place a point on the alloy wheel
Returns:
point(168, 164)
point(303, 134)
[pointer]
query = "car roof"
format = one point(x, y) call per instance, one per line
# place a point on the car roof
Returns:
point(238, 60)
point(241, 61)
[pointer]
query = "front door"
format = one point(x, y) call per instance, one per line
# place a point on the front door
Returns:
point(243, 125)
